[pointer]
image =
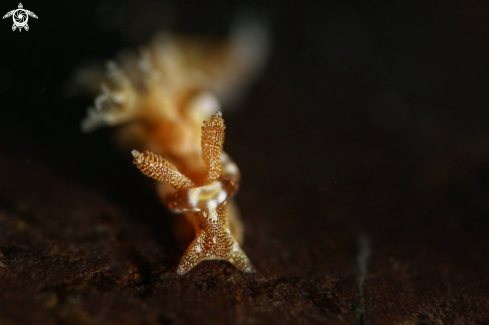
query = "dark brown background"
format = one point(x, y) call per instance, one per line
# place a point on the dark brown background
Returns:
point(364, 149)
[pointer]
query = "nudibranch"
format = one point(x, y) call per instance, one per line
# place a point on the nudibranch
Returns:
point(205, 207)
point(158, 97)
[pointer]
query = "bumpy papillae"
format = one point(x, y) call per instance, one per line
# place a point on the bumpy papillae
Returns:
point(212, 141)
point(213, 236)
point(156, 167)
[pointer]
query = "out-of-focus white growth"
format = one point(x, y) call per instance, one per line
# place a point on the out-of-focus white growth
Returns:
point(116, 102)
point(164, 91)
point(172, 67)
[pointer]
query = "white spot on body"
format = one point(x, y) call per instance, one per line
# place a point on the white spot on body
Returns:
point(205, 102)
point(198, 249)
point(222, 196)
point(212, 204)
point(231, 169)
point(213, 215)
point(214, 239)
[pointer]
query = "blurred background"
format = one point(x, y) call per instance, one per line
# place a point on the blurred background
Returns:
point(364, 149)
